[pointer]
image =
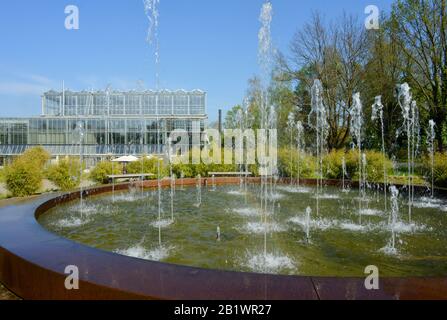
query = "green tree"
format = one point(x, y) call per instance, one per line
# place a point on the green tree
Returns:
point(421, 33)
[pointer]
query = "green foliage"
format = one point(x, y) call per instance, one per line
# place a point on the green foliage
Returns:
point(100, 172)
point(376, 162)
point(65, 174)
point(439, 169)
point(23, 178)
point(333, 165)
point(306, 165)
point(37, 155)
point(193, 170)
point(231, 118)
point(147, 165)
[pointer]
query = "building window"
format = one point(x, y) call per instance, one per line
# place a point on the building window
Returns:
point(181, 104)
point(149, 103)
point(165, 104)
point(197, 104)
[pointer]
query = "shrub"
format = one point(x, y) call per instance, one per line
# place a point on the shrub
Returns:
point(375, 161)
point(307, 164)
point(333, 164)
point(37, 155)
point(193, 170)
point(65, 174)
point(100, 172)
point(148, 165)
point(23, 178)
point(439, 169)
point(187, 170)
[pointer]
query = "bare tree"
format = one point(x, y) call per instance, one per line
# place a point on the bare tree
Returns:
point(334, 53)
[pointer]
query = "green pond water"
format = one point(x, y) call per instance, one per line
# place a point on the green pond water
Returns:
point(339, 245)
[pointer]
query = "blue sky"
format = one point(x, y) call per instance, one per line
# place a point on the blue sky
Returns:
point(206, 44)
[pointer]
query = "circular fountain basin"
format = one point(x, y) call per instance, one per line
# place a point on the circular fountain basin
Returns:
point(115, 244)
point(345, 235)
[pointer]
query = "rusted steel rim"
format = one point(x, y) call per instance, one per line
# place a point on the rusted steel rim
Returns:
point(33, 261)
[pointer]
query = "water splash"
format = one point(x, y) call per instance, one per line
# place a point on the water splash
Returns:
point(320, 124)
point(343, 166)
point(269, 263)
point(317, 224)
point(265, 50)
point(247, 212)
point(157, 254)
point(377, 113)
point(163, 224)
point(410, 114)
point(371, 212)
point(80, 132)
point(198, 191)
point(356, 132)
point(394, 215)
point(291, 129)
point(152, 14)
point(294, 189)
point(300, 145)
point(262, 228)
point(71, 223)
point(431, 149)
point(308, 213)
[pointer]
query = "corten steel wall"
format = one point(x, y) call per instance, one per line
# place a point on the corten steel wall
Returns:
point(33, 260)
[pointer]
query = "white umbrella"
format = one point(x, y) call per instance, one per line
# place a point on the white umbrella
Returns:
point(125, 159)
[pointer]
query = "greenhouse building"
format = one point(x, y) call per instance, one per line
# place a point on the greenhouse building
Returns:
point(114, 123)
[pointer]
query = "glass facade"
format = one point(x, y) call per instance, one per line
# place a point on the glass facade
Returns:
point(116, 123)
point(133, 103)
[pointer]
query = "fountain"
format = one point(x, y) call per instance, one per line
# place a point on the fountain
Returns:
point(356, 132)
point(343, 168)
point(240, 121)
point(265, 60)
point(431, 149)
point(199, 191)
point(364, 176)
point(268, 223)
point(213, 183)
point(182, 182)
point(377, 113)
point(394, 218)
point(321, 127)
point(172, 194)
point(300, 147)
point(80, 132)
point(308, 214)
point(290, 128)
point(218, 234)
point(152, 14)
point(410, 114)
